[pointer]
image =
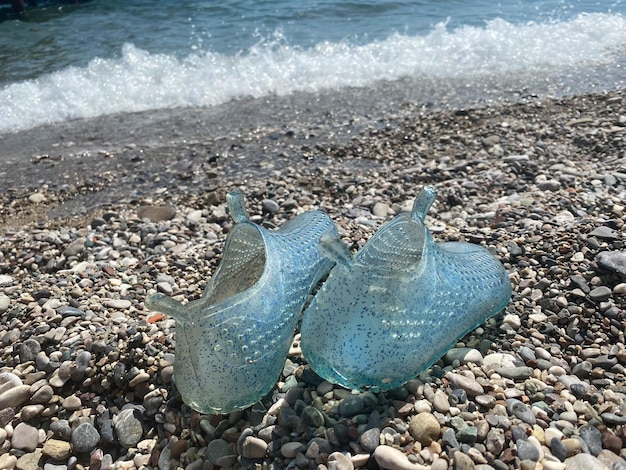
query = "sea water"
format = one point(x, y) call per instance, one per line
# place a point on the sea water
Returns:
point(64, 61)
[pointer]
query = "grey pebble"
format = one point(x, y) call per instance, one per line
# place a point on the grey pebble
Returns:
point(370, 439)
point(558, 449)
point(61, 428)
point(521, 411)
point(515, 373)
point(612, 261)
point(612, 418)
point(129, 427)
point(604, 232)
point(449, 439)
point(29, 350)
point(270, 206)
point(85, 438)
point(526, 450)
point(216, 449)
point(312, 417)
point(351, 405)
point(600, 294)
point(472, 387)
point(592, 437)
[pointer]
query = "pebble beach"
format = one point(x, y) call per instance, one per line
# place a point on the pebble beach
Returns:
point(90, 225)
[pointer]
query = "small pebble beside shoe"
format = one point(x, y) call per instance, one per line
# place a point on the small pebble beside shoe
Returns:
point(390, 312)
point(231, 343)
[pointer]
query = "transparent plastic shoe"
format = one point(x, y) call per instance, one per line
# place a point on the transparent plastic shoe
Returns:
point(231, 344)
point(388, 313)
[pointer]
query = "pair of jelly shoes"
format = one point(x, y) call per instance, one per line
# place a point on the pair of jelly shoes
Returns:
point(378, 320)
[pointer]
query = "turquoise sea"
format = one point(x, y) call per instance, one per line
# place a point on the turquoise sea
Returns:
point(63, 61)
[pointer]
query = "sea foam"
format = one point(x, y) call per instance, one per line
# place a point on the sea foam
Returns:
point(139, 80)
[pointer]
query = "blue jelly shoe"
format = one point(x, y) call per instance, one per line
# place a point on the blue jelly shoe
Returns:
point(390, 312)
point(231, 343)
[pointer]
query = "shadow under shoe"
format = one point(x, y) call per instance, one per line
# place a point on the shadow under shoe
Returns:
point(400, 304)
point(231, 343)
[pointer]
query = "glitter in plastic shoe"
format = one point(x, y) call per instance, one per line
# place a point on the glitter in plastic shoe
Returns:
point(390, 312)
point(231, 343)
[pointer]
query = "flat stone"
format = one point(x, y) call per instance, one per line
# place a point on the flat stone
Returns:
point(339, 461)
point(5, 302)
point(129, 427)
point(496, 361)
point(425, 428)
point(584, 462)
point(29, 461)
point(157, 213)
point(85, 438)
point(14, 397)
point(57, 449)
point(604, 232)
point(515, 373)
point(254, 448)
point(290, 449)
point(464, 356)
point(592, 437)
point(216, 449)
point(313, 417)
point(351, 406)
point(441, 402)
point(600, 294)
point(471, 387)
point(521, 411)
point(118, 304)
point(463, 461)
point(8, 461)
point(389, 458)
point(29, 350)
point(612, 261)
point(370, 439)
point(526, 451)
point(269, 206)
point(25, 437)
point(71, 403)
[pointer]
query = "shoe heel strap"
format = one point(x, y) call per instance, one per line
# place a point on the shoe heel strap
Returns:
point(422, 203)
point(331, 247)
point(236, 202)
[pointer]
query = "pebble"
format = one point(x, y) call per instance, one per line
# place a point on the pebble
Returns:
point(119, 304)
point(389, 458)
point(351, 406)
point(157, 213)
point(85, 438)
point(339, 461)
point(15, 396)
point(128, 427)
point(57, 449)
point(424, 428)
point(254, 448)
point(584, 462)
point(370, 439)
point(472, 387)
point(526, 450)
point(291, 449)
point(592, 437)
point(25, 437)
point(5, 302)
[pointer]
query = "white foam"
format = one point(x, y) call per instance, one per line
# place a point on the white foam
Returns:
point(139, 81)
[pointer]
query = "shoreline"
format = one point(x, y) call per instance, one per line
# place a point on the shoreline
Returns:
point(87, 233)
